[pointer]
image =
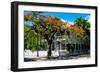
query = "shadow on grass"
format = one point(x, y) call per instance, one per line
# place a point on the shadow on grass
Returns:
point(57, 58)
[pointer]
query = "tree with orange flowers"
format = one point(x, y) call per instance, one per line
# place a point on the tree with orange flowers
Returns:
point(47, 27)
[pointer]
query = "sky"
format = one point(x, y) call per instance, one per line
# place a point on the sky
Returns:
point(66, 17)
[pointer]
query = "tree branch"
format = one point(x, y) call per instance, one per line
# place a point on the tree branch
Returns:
point(52, 35)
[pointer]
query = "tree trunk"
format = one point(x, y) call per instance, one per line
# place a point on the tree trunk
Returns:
point(37, 53)
point(49, 51)
point(49, 40)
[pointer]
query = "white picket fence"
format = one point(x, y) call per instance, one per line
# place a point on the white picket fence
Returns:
point(30, 54)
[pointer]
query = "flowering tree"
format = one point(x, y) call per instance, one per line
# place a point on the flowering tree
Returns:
point(47, 28)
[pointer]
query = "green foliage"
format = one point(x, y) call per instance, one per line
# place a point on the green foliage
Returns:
point(82, 23)
point(31, 39)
